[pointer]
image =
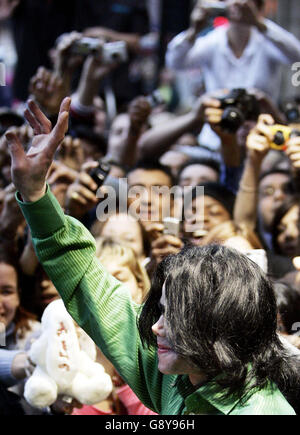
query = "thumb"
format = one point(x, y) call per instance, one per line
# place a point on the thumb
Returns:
point(15, 147)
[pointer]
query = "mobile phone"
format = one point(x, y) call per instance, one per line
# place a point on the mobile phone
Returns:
point(100, 173)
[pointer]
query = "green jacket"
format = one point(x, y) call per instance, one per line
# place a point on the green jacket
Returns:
point(103, 308)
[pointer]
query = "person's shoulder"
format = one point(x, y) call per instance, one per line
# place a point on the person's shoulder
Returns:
point(267, 401)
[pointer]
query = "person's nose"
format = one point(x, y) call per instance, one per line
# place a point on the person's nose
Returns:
point(158, 327)
point(292, 232)
point(279, 195)
point(146, 196)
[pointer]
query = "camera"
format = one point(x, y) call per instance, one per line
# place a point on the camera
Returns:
point(281, 134)
point(100, 173)
point(215, 9)
point(114, 52)
point(86, 46)
point(111, 52)
point(238, 107)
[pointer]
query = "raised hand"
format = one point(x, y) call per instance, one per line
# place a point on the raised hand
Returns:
point(258, 141)
point(7, 7)
point(29, 171)
point(48, 90)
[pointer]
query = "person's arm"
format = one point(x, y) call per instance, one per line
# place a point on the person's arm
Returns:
point(13, 365)
point(286, 45)
point(100, 304)
point(156, 141)
point(126, 152)
point(187, 50)
point(245, 208)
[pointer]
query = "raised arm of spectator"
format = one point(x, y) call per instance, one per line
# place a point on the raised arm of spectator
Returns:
point(187, 50)
point(7, 8)
point(283, 46)
point(245, 209)
point(132, 40)
point(124, 151)
point(156, 141)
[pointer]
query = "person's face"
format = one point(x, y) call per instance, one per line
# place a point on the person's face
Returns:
point(195, 175)
point(125, 229)
point(9, 297)
point(274, 189)
point(118, 132)
point(123, 273)
point(149, 202)
point(170, 362)
point(288, 237)
point(214, 213)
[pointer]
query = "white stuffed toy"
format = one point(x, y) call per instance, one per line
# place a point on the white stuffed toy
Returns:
point(64, 356)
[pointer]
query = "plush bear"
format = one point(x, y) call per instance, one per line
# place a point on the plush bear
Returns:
point(64, 356)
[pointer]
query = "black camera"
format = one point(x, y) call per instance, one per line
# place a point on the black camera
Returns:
point(100, 173)
point(238, 107)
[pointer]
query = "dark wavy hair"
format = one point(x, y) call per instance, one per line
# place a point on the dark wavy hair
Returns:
point(221, 314)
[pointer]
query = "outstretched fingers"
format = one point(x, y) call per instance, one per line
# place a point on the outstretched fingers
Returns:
point(58, 133)
point(15, 148)
point(36, 118)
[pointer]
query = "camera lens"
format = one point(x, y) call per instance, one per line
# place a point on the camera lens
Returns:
point(232, 119)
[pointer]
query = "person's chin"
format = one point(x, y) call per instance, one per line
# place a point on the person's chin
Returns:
point(166, 361)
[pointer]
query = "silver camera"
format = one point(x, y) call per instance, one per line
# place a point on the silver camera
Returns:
point(114, 52)
point(86, 46)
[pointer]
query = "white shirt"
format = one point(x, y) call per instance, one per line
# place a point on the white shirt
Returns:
point(258, 67)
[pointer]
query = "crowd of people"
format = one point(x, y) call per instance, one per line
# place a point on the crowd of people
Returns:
point(194, 211)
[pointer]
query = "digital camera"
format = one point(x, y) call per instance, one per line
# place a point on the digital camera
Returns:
point(238, 107)
point(112, 52)
point(281, 134)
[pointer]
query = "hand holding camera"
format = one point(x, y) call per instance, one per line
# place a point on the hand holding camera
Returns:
point(81, 195)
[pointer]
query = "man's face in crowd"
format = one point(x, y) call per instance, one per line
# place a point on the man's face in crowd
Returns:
point(214, 214)
point(196, 174)
point(149, 202)
point(274, 189)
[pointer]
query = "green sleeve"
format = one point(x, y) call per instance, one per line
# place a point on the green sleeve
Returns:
point(100, 304)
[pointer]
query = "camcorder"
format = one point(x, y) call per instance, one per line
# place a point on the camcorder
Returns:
point(100, 173)
point(238, 106)
point(281, 135)
point(111, 52)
